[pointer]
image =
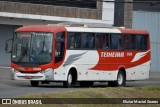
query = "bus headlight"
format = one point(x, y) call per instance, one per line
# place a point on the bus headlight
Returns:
point(14, 70)
point(46, 70)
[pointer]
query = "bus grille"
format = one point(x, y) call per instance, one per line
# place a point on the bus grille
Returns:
point(29, 72)
point(33, 77)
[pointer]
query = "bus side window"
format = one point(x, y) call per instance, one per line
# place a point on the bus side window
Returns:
point(145, 45)
point(106, 41)
point(99, 40)
point(70, 40)
point(78, 40)
point(88, 40)
point(127, 41)
point(142, 42)
point(91, 41)
point(116, 41)
point(84, 40)
point(139, 42)
point(74, 40)
point(133, 42)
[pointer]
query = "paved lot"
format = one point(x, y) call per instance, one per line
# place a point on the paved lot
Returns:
point(11, 88)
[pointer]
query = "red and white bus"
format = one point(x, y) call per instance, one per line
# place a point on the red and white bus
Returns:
point(80, 54)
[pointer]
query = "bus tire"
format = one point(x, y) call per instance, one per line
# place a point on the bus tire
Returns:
point(86, 83)
point(34, 83)
point(120, 82)
point(69, 81)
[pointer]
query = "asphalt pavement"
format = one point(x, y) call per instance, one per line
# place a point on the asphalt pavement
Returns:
point(12, 89)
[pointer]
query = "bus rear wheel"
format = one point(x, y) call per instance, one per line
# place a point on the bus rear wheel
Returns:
point(121, 80)
point(34, 83)
point(86, 83)
point(69, 81)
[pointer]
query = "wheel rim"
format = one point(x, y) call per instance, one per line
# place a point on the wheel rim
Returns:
point(120, 79)
point(69, 79)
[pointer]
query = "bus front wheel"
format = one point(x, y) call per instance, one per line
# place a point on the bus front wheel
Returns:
point(69, 81)
point(34, 83)
point(121, 80)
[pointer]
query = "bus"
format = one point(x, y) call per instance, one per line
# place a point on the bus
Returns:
point(79, 54)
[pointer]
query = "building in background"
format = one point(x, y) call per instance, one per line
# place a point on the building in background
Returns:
point(147, 16)
point(16, 13)
point(142, 14)
point(123, 13)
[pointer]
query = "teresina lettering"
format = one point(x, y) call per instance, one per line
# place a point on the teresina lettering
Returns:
point(112, 54)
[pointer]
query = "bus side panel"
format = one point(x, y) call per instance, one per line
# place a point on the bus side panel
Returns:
point(59, 75)
point(82, 60)
point(143, 71)
point(90, 66)
point(139, 72)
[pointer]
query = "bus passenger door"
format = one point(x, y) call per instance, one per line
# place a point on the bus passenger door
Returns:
point(59, 48)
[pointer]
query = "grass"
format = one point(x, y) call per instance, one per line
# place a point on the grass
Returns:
point(108, 92)
point(150, 88)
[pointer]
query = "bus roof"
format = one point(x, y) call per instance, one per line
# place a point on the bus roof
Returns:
point(40, 28)
point(97, 30)
point(106, 30)
point(44, 28)
point(133, 31)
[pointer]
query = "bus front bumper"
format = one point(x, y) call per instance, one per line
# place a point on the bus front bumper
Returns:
point(47, 74)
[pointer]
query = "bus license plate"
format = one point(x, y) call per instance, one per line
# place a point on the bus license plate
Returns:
point(28, 77)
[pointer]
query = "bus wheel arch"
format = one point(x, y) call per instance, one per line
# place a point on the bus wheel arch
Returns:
point(121, 79)
point(123, 73)
point(71, 77)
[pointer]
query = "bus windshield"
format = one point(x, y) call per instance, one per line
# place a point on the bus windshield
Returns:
point(32, 48)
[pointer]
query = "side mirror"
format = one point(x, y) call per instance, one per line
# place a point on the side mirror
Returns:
point(9, 41)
